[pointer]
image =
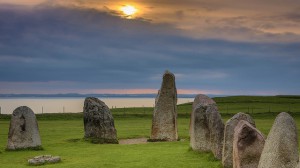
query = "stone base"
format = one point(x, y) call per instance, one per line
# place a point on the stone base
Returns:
point(102, 141)
point(161, 140)
point(36, 148)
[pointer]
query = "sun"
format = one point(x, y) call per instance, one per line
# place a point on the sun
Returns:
point(128, 10)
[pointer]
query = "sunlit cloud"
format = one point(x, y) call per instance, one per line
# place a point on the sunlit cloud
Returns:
point(22, 2)
point(240, 21)
point(88, 46)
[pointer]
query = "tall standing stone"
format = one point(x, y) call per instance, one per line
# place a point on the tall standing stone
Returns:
point(281, 147)
point(99, 124)
point(206, 126)
point(23, 130)
point(164, 121)
point(227, 159)
point(248, 144)
point(199, 132)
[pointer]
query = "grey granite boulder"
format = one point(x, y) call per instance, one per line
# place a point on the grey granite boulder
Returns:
point(248, 144)
point(23, 130)
point(227, 153)
point(203, 100)
point(199, 131)
point(206, 126)
point(216, 128)
point(164, 121)
point(281, 147)
point(99, 124)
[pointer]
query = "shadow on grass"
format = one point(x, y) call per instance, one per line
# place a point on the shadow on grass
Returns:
point(37, 148)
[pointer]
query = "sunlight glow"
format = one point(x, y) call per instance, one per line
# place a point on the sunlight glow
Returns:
point(128, 10)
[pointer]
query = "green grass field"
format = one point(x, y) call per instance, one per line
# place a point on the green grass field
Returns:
point(62, 135)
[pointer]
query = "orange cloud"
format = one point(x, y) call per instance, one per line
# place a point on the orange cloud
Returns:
point(22, 2)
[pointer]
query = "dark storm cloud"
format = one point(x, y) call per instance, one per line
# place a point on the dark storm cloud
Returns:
point(94, 48)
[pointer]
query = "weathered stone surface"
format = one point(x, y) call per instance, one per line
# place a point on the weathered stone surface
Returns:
point(248, 144)
point(216, 128)
point(164, 121)
point(298, 166)
point(199, 131)
point(203, 100)
point(99, 124)
point(23, 130)
point(40, 160)
point(227, 153)
point(206, 126)
point(281, 147)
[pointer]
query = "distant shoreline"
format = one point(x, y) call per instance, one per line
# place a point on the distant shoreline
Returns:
point(4, 96)
point(75, 95)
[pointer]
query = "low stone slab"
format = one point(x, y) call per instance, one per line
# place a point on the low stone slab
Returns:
point(227, 159)
point(248, 144)
point(281, 147)
point(44, 159)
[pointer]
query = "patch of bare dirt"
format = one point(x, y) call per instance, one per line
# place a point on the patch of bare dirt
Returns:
point(133, 141)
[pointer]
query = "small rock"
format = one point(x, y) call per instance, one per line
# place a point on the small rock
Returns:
point(44, 159)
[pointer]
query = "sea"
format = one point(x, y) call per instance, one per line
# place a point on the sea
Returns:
point(73, 105)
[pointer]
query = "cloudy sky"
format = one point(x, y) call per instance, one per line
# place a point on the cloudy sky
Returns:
point(91, 46)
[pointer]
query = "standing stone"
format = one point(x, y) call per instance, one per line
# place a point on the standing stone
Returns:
point(227, 159)
point(203, 100)
point(281, 147)
point(216, 128)
point(199, 132)
point(23, 130)
point(164, 121)
point(206, 126)
point(99, 124)
point(248, 143)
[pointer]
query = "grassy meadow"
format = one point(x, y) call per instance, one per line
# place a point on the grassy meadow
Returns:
point(62, 134)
